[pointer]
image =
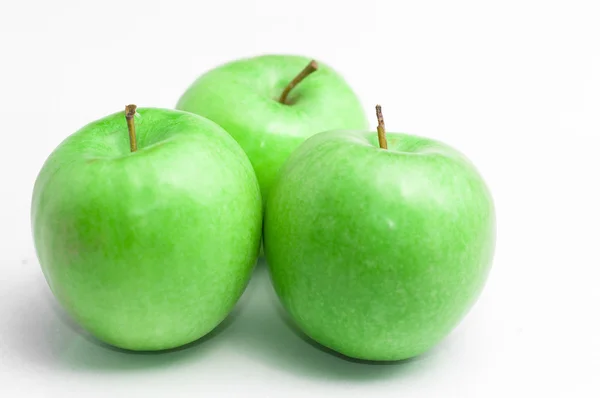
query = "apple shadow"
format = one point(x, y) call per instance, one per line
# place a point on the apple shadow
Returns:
point(265, 333)
point(44, 334)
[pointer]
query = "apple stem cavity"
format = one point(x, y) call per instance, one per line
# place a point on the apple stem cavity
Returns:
point(308, 69)
point(129, 115)
point(380, 128)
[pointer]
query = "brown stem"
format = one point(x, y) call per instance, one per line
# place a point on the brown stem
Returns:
point(129, 115)
point(380, 128)
point(310, 68)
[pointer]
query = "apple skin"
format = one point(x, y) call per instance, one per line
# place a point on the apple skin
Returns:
point(242, 97)
point(147, 250)
point(378, 254)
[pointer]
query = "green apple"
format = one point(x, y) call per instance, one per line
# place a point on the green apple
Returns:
point(253, 100)
point(378, 253)
point(147, 241)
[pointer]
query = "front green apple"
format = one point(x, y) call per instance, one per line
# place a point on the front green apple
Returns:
point(245, 98)
point(376, 253)
point(150, 249)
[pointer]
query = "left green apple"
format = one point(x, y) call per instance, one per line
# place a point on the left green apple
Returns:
point(147, 226)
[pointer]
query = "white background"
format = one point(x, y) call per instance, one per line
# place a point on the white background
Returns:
point(513, 84)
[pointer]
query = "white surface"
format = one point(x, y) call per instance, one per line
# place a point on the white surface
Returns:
point(513, 84)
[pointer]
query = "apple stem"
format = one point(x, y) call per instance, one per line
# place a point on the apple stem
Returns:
point(129, 115)
point(380, 128)
point(308, 69)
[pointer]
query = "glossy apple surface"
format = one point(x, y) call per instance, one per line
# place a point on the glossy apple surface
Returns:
point(242, 96)
point(151, 249)
point(378, 254)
